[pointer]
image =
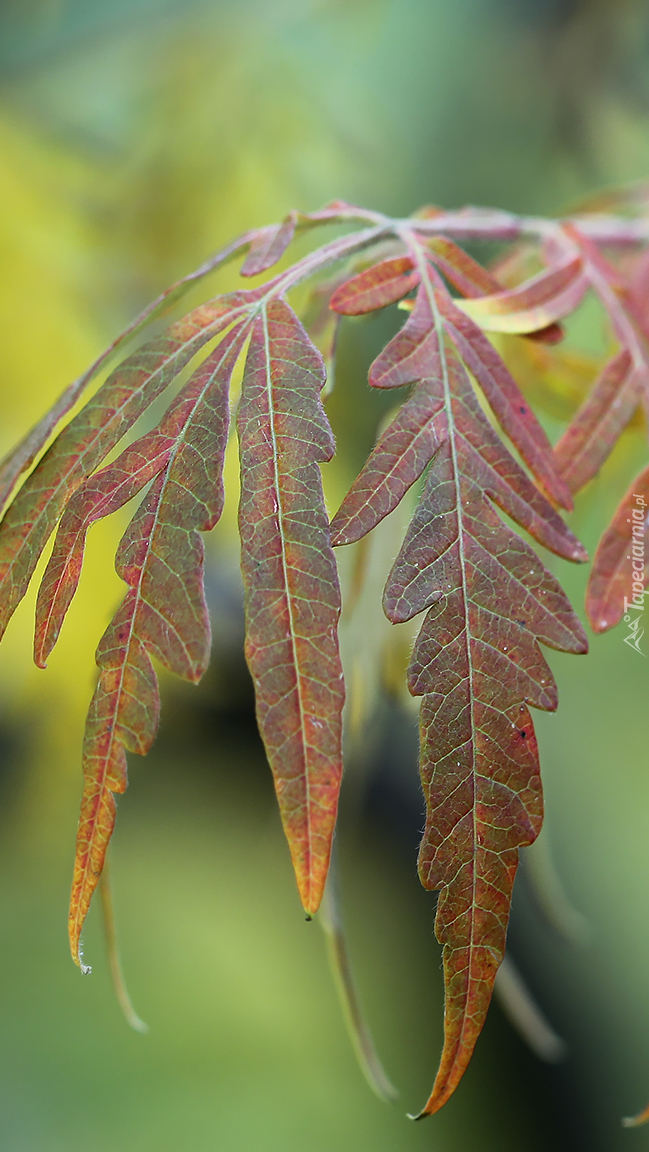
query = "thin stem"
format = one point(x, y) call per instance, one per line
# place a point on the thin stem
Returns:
point(548, 890)
point(119, 985)
point(330, 918)
point(524, 1014)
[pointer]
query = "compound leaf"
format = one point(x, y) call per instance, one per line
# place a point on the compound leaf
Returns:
point(487, 600)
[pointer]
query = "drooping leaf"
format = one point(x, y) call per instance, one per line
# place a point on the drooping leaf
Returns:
point(487, 598)
point(617, 578)
point(292, 598)
point(476, 661)
point(163, 615)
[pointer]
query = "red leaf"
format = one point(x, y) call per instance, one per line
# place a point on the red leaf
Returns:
point(383, 284)
point(91, 435)
point(163, 615)
point(476, 661)
point(488, 601)
point(268, 246)
point(588, 441)
point(291, 586)
point(618, 573)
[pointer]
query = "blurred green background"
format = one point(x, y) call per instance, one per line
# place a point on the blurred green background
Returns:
point(136, 136)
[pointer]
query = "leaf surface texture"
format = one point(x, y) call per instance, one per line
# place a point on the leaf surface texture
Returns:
point(292, 598)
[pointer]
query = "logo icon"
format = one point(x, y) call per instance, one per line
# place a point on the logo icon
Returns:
point(636, 632)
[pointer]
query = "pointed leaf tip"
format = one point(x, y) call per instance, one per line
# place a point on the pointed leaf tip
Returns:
point(292, 597)
point(636, 1121)
point(476, 663)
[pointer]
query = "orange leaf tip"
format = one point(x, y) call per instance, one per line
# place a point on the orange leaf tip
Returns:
point(636, 1121)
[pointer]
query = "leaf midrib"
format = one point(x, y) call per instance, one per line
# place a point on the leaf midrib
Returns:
point(439, 329)
point(289, 603)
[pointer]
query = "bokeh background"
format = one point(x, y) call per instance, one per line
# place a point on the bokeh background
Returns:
point(136, 136)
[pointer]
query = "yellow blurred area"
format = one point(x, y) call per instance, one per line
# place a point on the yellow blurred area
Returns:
point(47, 337)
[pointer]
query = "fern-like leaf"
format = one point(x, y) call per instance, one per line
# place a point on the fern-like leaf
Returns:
point(476, 662)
